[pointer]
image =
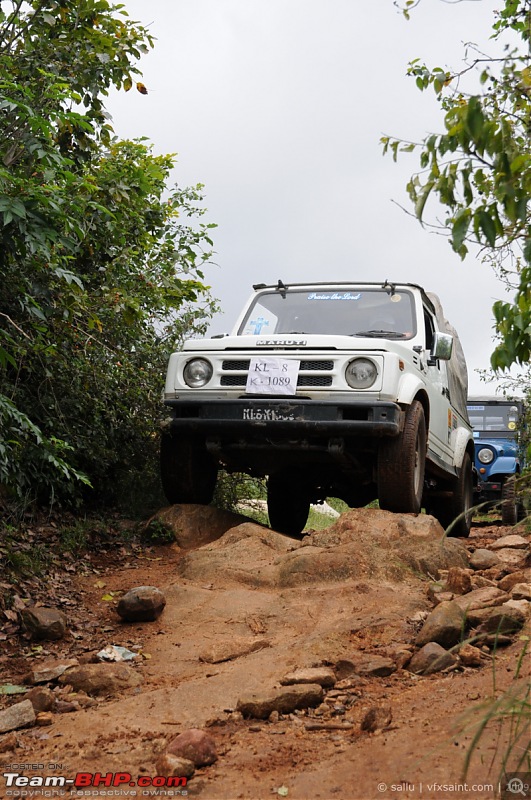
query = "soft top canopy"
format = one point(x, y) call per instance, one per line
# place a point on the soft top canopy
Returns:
point(457, 370)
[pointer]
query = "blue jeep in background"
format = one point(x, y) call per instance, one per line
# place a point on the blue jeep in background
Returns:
point(498, 461)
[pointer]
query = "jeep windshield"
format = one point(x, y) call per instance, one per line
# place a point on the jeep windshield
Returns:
point(498, 419)
point(374, 313)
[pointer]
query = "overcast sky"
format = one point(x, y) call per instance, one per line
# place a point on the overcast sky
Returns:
point(277, 107)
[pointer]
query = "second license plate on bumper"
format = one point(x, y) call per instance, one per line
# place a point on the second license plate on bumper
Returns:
point(257, 413)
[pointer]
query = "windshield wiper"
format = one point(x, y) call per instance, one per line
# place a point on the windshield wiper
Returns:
point(380, 334)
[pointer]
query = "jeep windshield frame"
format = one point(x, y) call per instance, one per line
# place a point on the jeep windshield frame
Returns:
point(368, 312)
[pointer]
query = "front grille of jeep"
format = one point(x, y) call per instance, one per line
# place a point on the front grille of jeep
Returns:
point(243, 365)
point(238, 370)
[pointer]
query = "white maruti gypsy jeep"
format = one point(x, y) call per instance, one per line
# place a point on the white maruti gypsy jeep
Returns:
point(349, 390)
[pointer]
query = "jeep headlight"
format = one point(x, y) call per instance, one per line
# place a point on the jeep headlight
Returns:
point(361, 373)
point(485, 455)
point(197, 373)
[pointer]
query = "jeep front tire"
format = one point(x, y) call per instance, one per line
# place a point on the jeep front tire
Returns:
point(288, 504)
point(401, 464)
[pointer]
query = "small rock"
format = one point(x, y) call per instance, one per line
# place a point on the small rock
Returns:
point(458, 580)
point(470, 656)
point(511, 556)
point(480, 581)
point(521, 591)
point(170, 765)
point(18, 716)
point(8, 743)
point(41, 699)
point(420, 616)
point(97, 679)
point(274, 717)
point(481, 598)
point(324, 676)
point(442, 597)
point(365, 664)
point(512, 540)
point(44, 623)
point(504, 619)
point(44, 718)
point(283, 700)
point(509, 581)
point(444, 625)
point(434, 589)
point(402, 658)
point(351, 682)
point(142, 604)
point(519, 605)
point(194, 745)
point(66, 707)
point(483, 559)
point(431, 658)
point(80, 700)
point(495, 640)
point(235, 648)
point(44, 673)
point(376, 718)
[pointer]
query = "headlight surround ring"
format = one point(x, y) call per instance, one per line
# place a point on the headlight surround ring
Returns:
point(361, 373)
point(485, 455)
point(197, 373)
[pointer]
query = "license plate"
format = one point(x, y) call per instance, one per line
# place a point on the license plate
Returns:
point(256, 413)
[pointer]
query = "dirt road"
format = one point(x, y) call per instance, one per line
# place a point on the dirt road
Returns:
point(351, 598)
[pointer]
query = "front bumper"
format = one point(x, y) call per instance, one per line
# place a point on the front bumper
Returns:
point(488, 490)
point(292, 417)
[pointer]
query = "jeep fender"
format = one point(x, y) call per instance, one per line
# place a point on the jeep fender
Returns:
point(504, 465)
point(461, 443)
point(409, 387)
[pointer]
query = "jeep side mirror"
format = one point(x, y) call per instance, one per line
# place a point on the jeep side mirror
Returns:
point(442, 347)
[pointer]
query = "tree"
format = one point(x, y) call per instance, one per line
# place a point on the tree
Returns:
point(99, 267)
point(479, 168)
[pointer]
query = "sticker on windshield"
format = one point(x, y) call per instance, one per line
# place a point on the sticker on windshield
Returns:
point(476, 408)
point(254, 326)
point(261, 321)
point(334, 296)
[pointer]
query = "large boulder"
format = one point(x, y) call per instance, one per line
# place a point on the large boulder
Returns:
point(245, 554)
point(363, 543)
point(195, 525)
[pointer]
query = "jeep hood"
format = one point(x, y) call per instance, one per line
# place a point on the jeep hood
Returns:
point(305, 341)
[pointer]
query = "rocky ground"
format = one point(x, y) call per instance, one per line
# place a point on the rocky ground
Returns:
point(358, 663)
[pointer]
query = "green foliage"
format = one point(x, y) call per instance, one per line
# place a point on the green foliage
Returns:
point(157, 532)
point(21, 559)
point(100, 261)
point(234, 487)
point(479, 168)
point(29, 461)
